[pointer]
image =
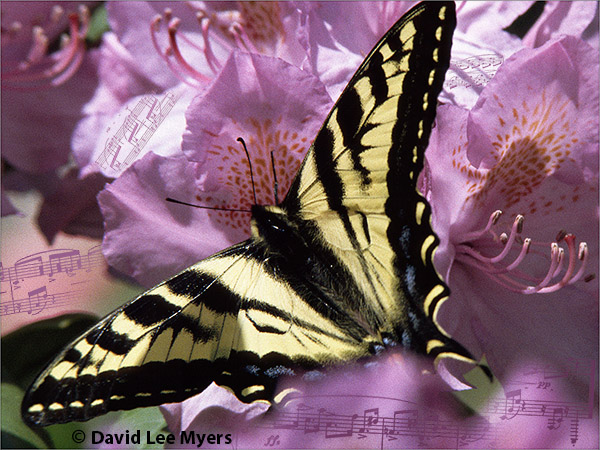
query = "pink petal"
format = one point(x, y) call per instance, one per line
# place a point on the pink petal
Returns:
point(147, 237)
point(560, 18)
point(248, 100)
point(72, 207)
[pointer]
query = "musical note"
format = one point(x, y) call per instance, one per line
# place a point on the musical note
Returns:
point(512, 398)
point(66, 262)
point(556, 419)
point(28, 267)
point(337, 426)
point(272, 441)
point(404, 421)
point(37, 300)
point(312, 424)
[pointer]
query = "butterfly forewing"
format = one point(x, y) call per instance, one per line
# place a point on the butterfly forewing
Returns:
point(357, 188)
point(342, 268)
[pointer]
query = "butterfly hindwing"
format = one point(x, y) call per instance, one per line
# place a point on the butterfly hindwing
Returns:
point(228, 319)
point(342, 268)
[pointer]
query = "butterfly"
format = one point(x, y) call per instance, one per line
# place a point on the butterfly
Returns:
point(337, 272)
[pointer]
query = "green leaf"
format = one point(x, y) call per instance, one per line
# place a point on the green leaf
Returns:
point(149, 420)
point(98, 26)
point(26, 351)
point(483, 390)
point(15, 434)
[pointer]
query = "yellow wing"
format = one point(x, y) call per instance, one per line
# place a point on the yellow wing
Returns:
point(229, 319)
point(340, 270)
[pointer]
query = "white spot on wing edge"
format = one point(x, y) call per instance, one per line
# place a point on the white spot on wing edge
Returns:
point(38, 407)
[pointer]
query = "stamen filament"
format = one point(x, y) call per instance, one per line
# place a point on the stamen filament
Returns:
point(515, 230)
point(491, 221)
point(508, 275)
point(58, 67)
point(173, 26)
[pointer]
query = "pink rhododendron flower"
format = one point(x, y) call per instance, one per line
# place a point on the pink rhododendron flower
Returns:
point(28, 29)
point(529, 147)
point(246, 100)
point(177, 50)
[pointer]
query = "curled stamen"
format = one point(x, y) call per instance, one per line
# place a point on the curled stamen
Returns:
point(173, 26)
point(39, 67)
point(555, 258)
point(493, 220)
point(516, 229)
point(521, 257)
point(515, 280)
point(583, 257)
point(211, 59)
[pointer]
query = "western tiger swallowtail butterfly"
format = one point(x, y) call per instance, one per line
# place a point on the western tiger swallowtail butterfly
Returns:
point(340, 270)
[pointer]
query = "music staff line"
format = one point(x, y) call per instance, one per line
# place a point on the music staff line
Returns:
point(407, 422)
point(473, 71)
point(31, 283)
point(403, 423)
point(37, 302)
point(63, 261)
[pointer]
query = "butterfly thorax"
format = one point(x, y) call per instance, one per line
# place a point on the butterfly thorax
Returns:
point(295, 247)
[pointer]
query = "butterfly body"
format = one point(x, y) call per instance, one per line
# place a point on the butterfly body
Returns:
point(341, 269)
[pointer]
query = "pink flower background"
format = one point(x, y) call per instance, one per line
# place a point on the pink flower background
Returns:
point(516, 131)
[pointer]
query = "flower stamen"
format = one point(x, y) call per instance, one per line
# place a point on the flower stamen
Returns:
point(508, 275)
point(172, 55)
point(211, 59)
point(493, 220)
point(514, 232)
point(39, 70)
point(173, 26)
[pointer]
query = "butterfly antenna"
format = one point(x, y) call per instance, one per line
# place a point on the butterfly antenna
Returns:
point(172, 200)
point(249, 164)
point(274, 179)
